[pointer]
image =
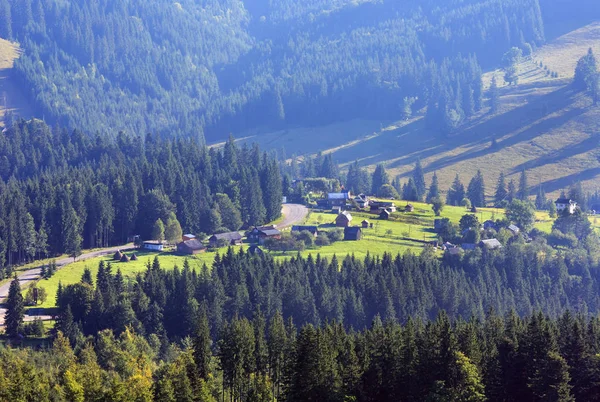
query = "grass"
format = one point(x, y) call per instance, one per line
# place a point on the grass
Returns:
point(542, 127)
point(72, 273)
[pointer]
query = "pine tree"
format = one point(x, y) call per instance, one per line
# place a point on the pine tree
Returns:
point(71, 236)
point(87, 277)
point(202, 350)
point(419, 180)
point(15, 309)
point(494, 96)
point(456, 193)
point(5, 20)
point(501, 192)
point(158, 231)
point(476, 190)
point(586, 71)
point(173, 232)
point(434, 189)
point(409, 191)
point(523, 193)
point(380, 178)
point(541, 202)
point(512, 191)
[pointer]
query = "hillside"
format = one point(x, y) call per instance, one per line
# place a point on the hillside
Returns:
point(12, 98)
point(542, 126)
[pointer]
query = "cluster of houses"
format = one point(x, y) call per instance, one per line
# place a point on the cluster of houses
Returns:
point(191, 245)
point(344, 201)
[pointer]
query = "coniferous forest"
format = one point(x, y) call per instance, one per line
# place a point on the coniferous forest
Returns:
point(62, 190)
point(131, 90)
point(194, 67)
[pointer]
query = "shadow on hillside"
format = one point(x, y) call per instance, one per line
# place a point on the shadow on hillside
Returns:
point(476, 135)
point(564, 182)
point(561, 154)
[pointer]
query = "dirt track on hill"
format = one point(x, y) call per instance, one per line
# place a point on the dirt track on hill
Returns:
point(28, 277)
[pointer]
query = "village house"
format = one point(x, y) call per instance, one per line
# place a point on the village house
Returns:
point(314, 230)
point(365, 224)
point(352, 233)
point(153, 245)
point(384, 214)
point(361, 200)
point(187, 237)
point(489, 225)
point(380, 205)
point(343, 220)
point(190, 247)
point(338, 199)
point(454, 251)
point(491, 244)
point(563, 204)
point(514, 229)
point(232, 239)
point(261, 234)
point(409, 208)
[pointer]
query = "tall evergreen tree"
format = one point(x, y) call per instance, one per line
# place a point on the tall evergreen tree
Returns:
point(476, 190)
point(419, 180)
point(523, 193)
point(15, 309)
point(434, 189)
point(494, 96)
point(512, 191)
point(380, 178)
point(501, 195)
point(456, 193)
point(202, 349)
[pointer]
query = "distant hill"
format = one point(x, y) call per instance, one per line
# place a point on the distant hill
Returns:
point(12, 98)
point(543, 126)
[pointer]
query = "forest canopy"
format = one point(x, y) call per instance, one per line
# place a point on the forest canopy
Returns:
point(194, 67)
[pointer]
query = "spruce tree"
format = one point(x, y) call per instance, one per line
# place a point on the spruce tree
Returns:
point(501, 192)
point(541, 202)
point(456, 193)
point(476, 190)
point(494, 96)
point(158, 230)
point(523, 193)
point(15, 309)
point(380, 178)
point(202, 350)
point(434, 189)
point(419, 180)
point(512, 191)
point(173, 232)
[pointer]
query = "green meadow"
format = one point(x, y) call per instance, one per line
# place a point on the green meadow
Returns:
point(405, 232)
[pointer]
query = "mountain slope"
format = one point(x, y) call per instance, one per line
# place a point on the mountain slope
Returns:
point(12, 97)
point(543, 126)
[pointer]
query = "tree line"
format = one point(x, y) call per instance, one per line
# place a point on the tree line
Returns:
point(213, 67)
point(61, 190)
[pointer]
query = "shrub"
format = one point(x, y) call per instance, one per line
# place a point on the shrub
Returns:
point(335, 235)
point(322, 240)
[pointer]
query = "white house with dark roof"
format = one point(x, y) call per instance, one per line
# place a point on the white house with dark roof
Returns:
point(565, 203)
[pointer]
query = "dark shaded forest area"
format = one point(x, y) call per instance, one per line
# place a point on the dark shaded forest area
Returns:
point(214, 67)
point(61, 191)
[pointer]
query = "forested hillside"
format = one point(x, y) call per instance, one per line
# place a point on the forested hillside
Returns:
point(219, 66)
point(61, 190)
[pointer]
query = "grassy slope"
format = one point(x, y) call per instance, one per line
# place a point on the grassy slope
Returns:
point(376, 241)
point(11, 95)
point(542, 126)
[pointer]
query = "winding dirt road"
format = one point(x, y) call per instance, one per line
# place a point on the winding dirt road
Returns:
point(292, 215)
point(31, 275)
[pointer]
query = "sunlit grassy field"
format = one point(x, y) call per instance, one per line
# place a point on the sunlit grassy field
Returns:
point(72, 273)
point(405, 232)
